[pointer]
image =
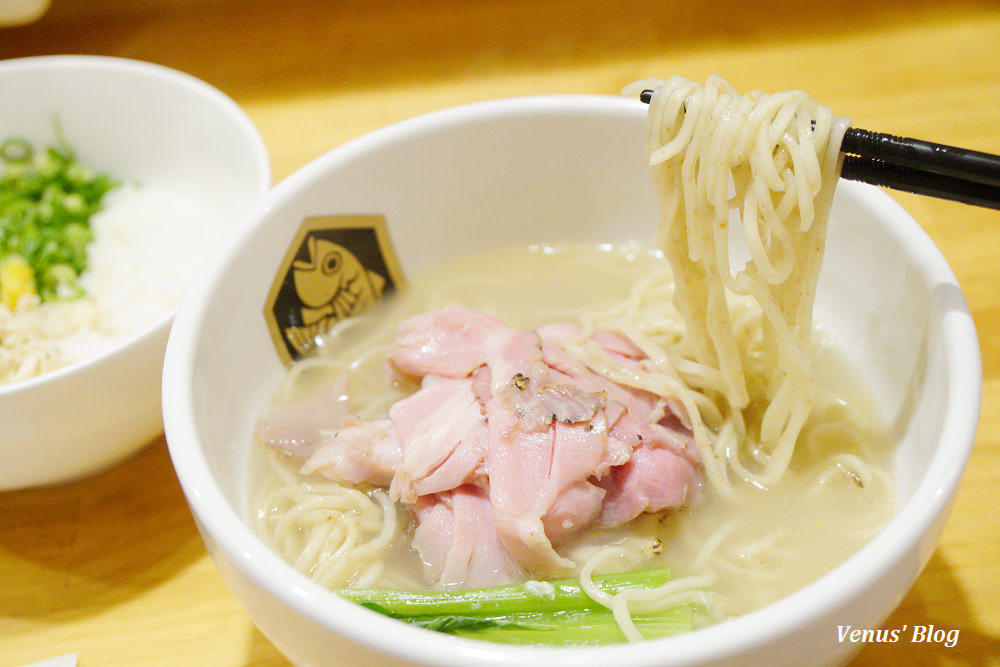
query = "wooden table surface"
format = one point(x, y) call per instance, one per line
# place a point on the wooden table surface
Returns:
point(111, 567)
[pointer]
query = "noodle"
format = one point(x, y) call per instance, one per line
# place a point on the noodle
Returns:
point(641, 601)
point(781, 153)
point(331, 532)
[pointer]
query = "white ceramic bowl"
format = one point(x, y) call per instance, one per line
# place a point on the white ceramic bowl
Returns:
point(542, 169)
point(141, 122)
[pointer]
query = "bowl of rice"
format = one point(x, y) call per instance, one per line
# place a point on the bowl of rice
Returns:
point(431, 456)
point(117, 179)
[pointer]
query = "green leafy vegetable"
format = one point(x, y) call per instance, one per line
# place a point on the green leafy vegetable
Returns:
point(560, 615)
point(46, 201)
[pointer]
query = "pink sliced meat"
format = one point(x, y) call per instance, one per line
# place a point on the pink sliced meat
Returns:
point(514, 358)
point(449, 342)
point(669, 430)
point(357, 453)
point(558, 335)
point(574, 510)
point(537, 407)
point(654, 479)
point(297, 428)
point(520, 493)
point(575, 371)
point(329, 441)
point(443, 437)
point(510, 449)
point(533, 475)
point(458, 541)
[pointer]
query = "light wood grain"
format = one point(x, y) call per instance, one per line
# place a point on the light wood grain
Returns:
point(112, 567)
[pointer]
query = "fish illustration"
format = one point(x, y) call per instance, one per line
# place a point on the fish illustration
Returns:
point(331, 284)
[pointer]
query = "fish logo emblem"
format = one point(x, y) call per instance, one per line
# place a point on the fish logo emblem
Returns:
point(332, 283)
point(335, 267)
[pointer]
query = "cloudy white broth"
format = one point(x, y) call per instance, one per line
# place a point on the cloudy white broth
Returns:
point(739, 551)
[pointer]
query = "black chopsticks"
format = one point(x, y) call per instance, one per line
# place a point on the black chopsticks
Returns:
point(920, 167)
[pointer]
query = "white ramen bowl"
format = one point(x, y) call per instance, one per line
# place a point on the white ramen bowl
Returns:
point(546, 169)
point(166, 131)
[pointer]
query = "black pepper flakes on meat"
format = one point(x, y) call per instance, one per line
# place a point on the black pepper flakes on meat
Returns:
point(588, 427)
point(520, 381)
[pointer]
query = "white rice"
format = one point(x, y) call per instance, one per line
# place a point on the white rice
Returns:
point(148, 243)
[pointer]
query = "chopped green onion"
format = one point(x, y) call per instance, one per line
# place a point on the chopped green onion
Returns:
point(46, 201)
point(16, 150)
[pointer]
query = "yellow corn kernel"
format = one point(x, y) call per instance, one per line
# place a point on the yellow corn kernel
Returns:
point(16, 280)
